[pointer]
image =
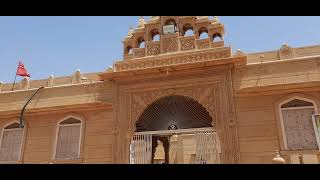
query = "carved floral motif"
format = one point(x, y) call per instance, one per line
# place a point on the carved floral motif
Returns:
point(153, 49)
point(170, 44)
point(138, 53)
point(203, 43)
point(187, 43)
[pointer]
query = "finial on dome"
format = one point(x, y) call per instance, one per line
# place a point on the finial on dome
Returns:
point(130, 33)
point(141, 22)
point(216, 19)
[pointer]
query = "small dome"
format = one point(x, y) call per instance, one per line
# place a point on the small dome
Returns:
point(141, 22)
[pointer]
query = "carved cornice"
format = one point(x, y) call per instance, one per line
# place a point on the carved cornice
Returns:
point(182, 58)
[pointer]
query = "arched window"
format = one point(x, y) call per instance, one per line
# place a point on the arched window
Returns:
point(217, 37)
point(298, 125)
point(170, 22)
point(203, 33)
point(129, 50)
point(68, 139)
point(11, 143)
point(188, 30)
point(141, 42)
point(155, 35)
point(171, 25)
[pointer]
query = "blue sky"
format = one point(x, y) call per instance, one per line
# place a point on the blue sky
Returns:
point(60, 45)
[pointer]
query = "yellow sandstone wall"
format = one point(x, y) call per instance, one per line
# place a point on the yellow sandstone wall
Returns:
point(41, 134)
point(258, 130)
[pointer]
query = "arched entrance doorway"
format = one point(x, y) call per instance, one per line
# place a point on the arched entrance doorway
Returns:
point(175, 129)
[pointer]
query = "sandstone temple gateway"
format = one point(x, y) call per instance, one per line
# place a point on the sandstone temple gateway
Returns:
point(179, 96)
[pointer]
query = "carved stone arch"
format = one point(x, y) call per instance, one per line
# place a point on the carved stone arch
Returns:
point(215, 95)
point(186, 27)
point(166, 19)
point(202, 30)
point(139, 41)
point(203, 95)
point(153, 32)
point(187, 113)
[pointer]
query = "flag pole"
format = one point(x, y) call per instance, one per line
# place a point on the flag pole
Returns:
point(14, 82)
point(15, 78)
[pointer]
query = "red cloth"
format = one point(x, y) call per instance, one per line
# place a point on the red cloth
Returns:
point(22, 71)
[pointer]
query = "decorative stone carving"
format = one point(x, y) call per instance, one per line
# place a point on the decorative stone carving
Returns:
point(77, 76)
point(187, 43)
point(214, 96)
point(153, 48)
point(139, 52)
point(217, 44)
point(204, 95)
point(170, 44)
point(50, 81)
point(203, 43)
point(25, 83)
point(128, 56)
point(173, 60)
point(286, 52)
point(216, 29)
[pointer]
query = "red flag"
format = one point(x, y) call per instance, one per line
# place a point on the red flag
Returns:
point(22, 71)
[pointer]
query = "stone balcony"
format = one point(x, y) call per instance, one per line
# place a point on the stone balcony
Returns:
point(172, 43)
point(139, 52)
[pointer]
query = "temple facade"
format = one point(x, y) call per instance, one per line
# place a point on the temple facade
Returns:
point(179, 96)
